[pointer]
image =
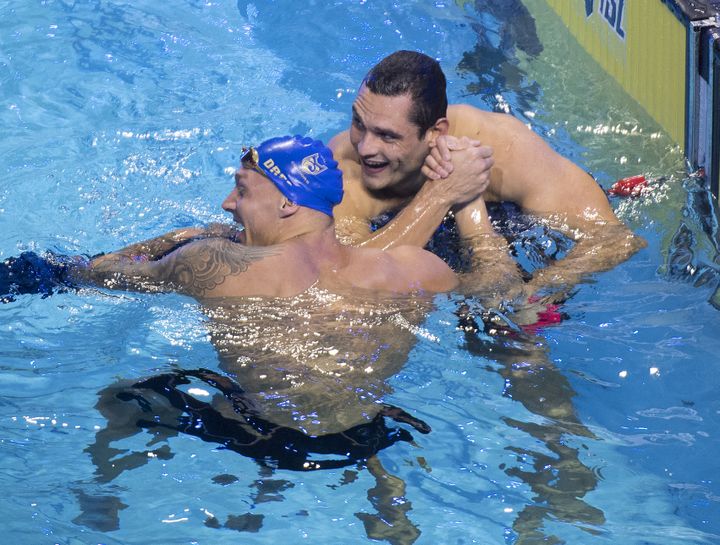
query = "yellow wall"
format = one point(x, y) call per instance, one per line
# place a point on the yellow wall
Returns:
point(649, 62)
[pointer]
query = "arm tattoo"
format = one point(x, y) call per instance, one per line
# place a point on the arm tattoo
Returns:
point(210, 263)
point(194, 269)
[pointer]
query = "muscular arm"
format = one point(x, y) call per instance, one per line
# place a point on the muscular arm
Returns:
point(599, 247)
point(198, 269)
point(420, 269)
point(542, 182)
point(493, 273)
point(413, 225)
point(155, 248)
point(420, 215)
point(572, 202)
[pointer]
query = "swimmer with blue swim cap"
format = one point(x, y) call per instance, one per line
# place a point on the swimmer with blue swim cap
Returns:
point(302, 169)
point(284, 194)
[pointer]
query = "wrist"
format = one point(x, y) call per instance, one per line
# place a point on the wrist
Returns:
point(435, 193)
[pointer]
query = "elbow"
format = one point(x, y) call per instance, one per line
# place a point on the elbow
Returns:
point(633, 244)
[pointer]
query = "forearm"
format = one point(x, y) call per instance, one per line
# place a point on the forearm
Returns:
point(492, 268)
point(158, 247)
point(599, 250)
point(475, 227)
point(419, 219)
point(154, 248)
point(116, 271)
point(124, 268)
point(415, 224)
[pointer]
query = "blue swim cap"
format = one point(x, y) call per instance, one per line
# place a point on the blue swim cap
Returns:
point(303, 170)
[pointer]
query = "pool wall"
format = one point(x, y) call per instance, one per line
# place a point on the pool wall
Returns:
point(666, 56)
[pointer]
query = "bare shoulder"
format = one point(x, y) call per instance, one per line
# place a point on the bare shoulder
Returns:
point(527, 171)
point(216, 252)
point(348, 161)
point(341, 146)
point(422, 269)
point(488, 127)
point(357, 206)
point(401, 270)
point(203, 268)
point(461, 115)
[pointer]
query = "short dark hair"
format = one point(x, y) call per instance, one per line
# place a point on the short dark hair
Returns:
point(416, 74)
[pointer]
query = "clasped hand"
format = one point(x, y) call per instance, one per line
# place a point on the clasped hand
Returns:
point(462, 164)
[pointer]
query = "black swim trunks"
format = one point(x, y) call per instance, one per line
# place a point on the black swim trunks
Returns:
point(251, 435)
point(533, 244)
point(30, 273)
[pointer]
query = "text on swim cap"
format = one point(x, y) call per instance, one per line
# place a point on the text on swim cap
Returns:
point(273, 169)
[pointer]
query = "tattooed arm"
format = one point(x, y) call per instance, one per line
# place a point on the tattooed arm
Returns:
point(199, 268)
point(156, 248)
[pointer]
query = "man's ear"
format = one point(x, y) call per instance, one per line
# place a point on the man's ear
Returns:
point(440, 128)
point(287, 208)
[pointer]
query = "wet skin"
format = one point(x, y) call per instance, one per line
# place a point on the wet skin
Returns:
point(389, 145)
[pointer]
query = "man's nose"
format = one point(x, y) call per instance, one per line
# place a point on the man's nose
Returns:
point(229, 203)
point(368, 145)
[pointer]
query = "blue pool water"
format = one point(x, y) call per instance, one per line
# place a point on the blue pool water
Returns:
point(120, 120)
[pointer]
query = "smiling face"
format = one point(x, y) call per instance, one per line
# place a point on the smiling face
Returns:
point(390, 150)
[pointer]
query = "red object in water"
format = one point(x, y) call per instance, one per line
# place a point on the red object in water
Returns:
point(546, 317)
point(629, 187)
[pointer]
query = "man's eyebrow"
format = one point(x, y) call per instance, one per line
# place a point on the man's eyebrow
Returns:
point(377, 129)
point(387, 132)
point(240, 176)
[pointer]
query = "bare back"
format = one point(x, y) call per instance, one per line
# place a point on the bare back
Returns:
point(219, 268)
point(400, 270)
point(321, 353)
point(317, 323)
point(527, 170)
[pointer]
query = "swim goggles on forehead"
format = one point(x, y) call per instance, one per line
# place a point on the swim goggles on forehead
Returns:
point(251, 159)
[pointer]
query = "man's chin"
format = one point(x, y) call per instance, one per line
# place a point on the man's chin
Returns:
point(375, 181)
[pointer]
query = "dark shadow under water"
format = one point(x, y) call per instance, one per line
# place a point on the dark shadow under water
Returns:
point(163, 405)
point(560, 480)
point(493, 60)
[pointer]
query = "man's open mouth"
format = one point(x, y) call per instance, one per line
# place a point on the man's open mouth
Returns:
point(373, 166)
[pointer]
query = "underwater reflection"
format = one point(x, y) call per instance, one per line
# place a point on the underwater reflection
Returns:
point(699, 228)
point(559, 481)
point(301, 389)
point(494, 58)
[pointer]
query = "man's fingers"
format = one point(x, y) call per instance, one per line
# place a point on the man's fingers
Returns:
point(443, 144)
point(437, 167)
point(484, 151)
point(429, 174)
point(444, 164)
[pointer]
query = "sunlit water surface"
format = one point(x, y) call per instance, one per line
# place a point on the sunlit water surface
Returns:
point(120, 121)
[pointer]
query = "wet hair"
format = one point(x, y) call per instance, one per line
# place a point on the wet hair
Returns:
point(416, 74)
